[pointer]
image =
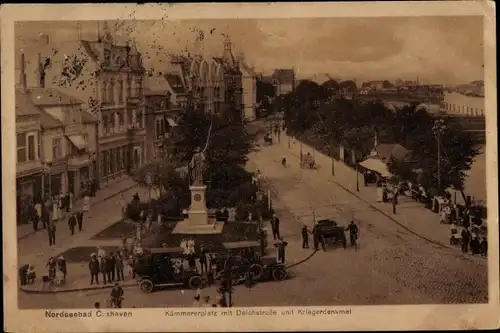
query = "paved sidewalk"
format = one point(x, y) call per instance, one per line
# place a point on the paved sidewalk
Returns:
point(409, 214)
point(35, 249)
point(24, 230)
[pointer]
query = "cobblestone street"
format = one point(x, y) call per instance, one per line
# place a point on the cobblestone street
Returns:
point(391, 267)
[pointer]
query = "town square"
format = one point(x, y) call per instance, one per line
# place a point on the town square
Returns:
point(221, 169)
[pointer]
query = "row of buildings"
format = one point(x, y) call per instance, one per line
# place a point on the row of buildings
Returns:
point(88, 110)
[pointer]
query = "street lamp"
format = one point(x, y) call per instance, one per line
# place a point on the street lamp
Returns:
point(438, 129)
point(357, 176)
point(260, 198)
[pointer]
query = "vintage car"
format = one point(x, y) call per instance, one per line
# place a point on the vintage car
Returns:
point(329, 232)
point(165, 267)
point(243, 258)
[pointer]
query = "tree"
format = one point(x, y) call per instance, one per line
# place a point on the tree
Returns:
point(265, 95)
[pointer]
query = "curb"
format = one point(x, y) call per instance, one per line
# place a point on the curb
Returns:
point(97, 203)
point(438, 243)
point(69, 290)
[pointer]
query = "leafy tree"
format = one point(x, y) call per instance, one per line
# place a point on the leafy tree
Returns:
point(265, 95)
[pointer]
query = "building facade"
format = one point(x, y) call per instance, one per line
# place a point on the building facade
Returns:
point(108, 79)
point(464, 105)
point(284, 81)
point(249, 89)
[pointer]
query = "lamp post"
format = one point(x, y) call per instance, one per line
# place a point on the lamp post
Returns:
point(438, 129)
point(356, 166)
point(259, 198)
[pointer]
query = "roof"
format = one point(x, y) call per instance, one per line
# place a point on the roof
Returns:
point(47, 121)
point(247, 68)
point(175, 82)
point(284, 75)
point(24, 107)
point(387, 151)
point(51, 96)
point(88, 117)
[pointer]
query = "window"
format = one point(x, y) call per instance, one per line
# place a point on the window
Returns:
point(86, 138)
point(108, 161)
point(105, 120)
point(121, 121)
point(120, 92)
point(21, 148)
point(103, 91)
point(111, 92)
point(130, 117)
point(138, 88)
point(56, 148)
point(111, 123)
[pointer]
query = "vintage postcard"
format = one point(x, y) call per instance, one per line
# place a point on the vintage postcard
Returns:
point(248, 167)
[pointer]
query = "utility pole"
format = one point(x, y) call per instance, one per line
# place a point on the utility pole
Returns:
point(438, 129)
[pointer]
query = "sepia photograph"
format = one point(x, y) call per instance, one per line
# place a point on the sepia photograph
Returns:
point(295, 167)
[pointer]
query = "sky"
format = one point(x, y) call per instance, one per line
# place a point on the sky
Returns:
point(445, 50)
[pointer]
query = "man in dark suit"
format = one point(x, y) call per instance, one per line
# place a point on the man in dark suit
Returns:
point(79, 218)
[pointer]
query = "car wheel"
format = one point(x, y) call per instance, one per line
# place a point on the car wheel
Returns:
point(256, 271)
point(279, 273)
point(146, 286)
point(195, 282)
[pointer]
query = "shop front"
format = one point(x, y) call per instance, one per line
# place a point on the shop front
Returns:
point(28, 192)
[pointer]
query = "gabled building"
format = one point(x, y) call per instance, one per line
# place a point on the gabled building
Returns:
point(59, 147)
point(284, 81)
point(108, 79)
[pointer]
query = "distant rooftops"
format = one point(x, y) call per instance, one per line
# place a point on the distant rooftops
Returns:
point(51, 96)
point(284, 76)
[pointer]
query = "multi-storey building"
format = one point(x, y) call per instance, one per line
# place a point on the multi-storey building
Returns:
point(284, 81)
point(249, 89)
point(57, 145)
point(108, 79)
point(214, 83)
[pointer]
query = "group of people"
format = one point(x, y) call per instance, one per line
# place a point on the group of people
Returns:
point(318, 238)
point(57, 271)
point(471, 239)
point(110, 265)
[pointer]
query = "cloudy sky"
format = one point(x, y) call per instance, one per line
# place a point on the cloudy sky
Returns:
point(435, 49)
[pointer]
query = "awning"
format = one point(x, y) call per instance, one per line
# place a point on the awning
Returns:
point(78, 141)
point(171, 122)
point(376, 165)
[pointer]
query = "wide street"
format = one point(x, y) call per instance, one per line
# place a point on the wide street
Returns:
point(392, 265)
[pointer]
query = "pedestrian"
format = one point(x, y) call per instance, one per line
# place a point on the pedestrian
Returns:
point(465, 240)
point(72, 224)
point(51, 264)
point(97, 305)
point(23, 274)
point(318, 238)
point(203, 260)
point(275, 226)
point(484, 246)
point(119, 267)
point(196, 299)
point(79, 218)
point(61, 265)
point(94, 269)
point(51, 230)
point(123, 206)
point(305, 237)
point(45, 217)
point(101, 256)
point(475, 245)
point(71, 200)
point(353, 233)
point(281, 245)
point(111, 263)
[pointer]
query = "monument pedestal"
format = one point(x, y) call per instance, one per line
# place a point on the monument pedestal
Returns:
point(198, 221)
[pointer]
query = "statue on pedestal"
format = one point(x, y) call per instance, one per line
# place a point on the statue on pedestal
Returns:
point(197, 166)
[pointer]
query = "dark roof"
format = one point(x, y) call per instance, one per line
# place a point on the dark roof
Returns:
point(51, 96)
point(175, 82)
point(387, 151)
point(24, 107)
point(284, 75)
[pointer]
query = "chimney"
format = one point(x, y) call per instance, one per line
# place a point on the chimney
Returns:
point(23, 83)
point(44, 39)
